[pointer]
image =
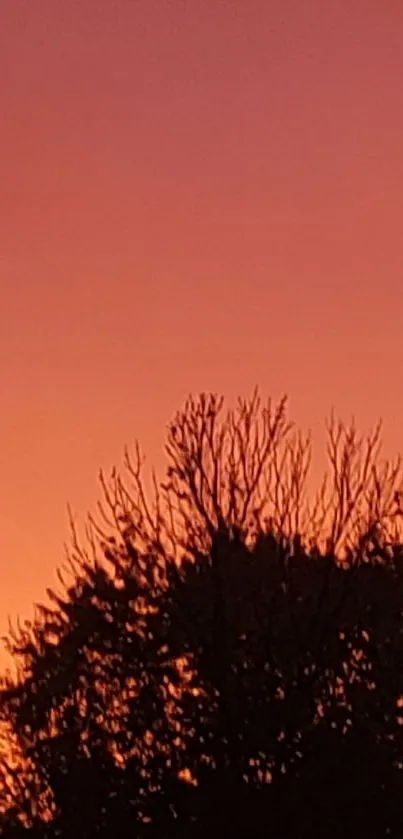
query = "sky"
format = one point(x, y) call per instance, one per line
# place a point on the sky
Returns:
point(195, 195)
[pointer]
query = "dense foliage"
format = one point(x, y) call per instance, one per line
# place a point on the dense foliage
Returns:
point(226, 657)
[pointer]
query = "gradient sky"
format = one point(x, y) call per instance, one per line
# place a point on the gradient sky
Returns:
point(193, 196)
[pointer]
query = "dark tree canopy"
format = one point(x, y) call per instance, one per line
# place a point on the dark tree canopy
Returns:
point(225, 657)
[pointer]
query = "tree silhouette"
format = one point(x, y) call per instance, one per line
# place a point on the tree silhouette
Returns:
point(225, 657)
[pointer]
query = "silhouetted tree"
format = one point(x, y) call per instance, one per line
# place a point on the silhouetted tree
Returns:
point(226, 656)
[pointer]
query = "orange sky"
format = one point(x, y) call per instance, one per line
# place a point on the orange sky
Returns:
point(200, 194)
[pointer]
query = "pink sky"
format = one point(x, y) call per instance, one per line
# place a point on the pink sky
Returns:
point(193, 196)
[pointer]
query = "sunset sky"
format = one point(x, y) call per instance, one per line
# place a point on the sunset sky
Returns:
point(194, 195)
